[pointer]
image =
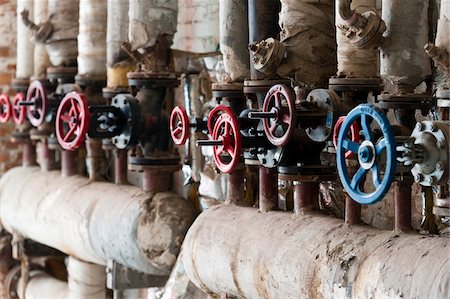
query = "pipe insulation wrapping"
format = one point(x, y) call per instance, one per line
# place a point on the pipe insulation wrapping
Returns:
point(403, 60)
point(443, 42)
point(41, 60)
point(92, 39)
point(248, 254)
point(25, 47)
point(95, 221)
point(150, 19)
point(43, 285)
point(233, 43)
point(308, 34)
point(62, 45)
point(353, 62)
point(198, 26)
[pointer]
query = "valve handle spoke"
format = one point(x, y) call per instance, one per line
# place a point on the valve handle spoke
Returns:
point(380, 146)
point(350, 145)
point(376, 175)
point(179, 125)
point(357, 177)
point(365, 124)
point(227, 128)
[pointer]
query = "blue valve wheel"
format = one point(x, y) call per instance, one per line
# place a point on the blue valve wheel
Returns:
point(375, 154)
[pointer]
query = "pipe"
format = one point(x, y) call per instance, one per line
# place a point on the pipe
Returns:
point(262, 24)
point(85, 280)
point(234, 39)
point(403, 60)
point(41, 60)
point(120, 167)
point(268, 189)
point(345, 11)
point(156, 180)
point(92, 40)
point(94, 159)
point(306, 194)
point(28, 154)
point(235, 186)
point(68, 163)
point(25, 48)
point(46, 156)
point(310, 256)
point(62, 44)
point(402, 205)
point(352, 211)
point(95, 221)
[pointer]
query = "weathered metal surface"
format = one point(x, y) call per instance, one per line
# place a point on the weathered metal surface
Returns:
point(248, 254)
point(268, 189)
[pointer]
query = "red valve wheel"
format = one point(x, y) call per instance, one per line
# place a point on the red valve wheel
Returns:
point(18, 111)
point(353, 135)
point(179, 125)
point(37, 95)
point(226, 129)
point(279, 128)
point(214, 116)
point(5, 109)
point(72, 121)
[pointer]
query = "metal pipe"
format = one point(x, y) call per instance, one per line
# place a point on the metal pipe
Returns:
point(25, 48)
point(28, 154)
point(310, 256)
point(94, 159)
point(268, 189)
point(262, 24)
point(345, 11)
point(156, 180)
point(96, 221)
point(235, 186)
point(352, 211)
point(41, 60)
point(120, 167)
point(306, 194)
point(402, 202)
point(46, 156)
point(68, 163)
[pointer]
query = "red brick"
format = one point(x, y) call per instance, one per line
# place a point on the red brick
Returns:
point(11, 67)
point(5, 78)
point(4, 51)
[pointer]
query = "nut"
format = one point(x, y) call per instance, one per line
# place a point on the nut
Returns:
point(417, 178)
point(419, 127)
point(439, 165)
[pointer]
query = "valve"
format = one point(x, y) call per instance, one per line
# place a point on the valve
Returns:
point(214, 114)
point(72, 121)
point(5, 108)
point(353, 135)
point(375, 151)
point(18, 110)
point(179, 125)
point(36, 102)
point(279, 114)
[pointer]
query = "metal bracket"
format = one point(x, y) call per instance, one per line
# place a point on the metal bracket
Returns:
point(119, 277)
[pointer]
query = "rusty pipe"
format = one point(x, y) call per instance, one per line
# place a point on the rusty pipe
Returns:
point(28, 154)
point(352, 211)
point(68, 163)
point(235, 187)
point(94, 159)
point(310, 256)
point(268, 189)
point(402, 205)
point(120, 167)
point(156, 180)
point(345, 10)
point(46, 156)
point(305, 195)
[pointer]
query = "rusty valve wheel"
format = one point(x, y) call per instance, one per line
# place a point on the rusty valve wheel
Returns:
point(179, 125)
point(279, 114)
point(72, 121)
point(5, 109)
point(226, 142)
point(37, 103)
point(18, 110)
point(353, 135)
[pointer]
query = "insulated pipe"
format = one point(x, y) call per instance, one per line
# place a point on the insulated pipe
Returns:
point(92, 40)
point(234, 38)
point(25, 48)
point(41, 60)
point(353, 62)
point(95, 221)
point(262, 24)
point(404, 63)
point(85, 280)
point(62, 45)
point(310, 256)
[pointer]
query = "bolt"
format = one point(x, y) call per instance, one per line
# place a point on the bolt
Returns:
point(439, 165)
point(433, 128)
point(418, 178)
point(419, 127)
point(430, 180)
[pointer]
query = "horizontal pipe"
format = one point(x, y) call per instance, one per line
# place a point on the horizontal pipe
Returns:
point(95, 221)
point(247, 254)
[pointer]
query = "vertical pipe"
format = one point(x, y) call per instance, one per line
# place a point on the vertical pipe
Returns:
point(120, 167)
point(29, 154)
point(352, 211)
point(46, 156)
point(94, 159)
point(402, 203)
point(235, 187)
point(41, 60)
point(68, 163)
point(306, 194)
point(268, 189)
point(156, 180)
point(25, 48)
point(262, 24)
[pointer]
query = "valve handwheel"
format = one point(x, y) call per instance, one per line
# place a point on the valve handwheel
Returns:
point(280, 121)
point(227, 154)
point(5, 108)
point(37, 103)
point(72, 121)
point(18, 111)
point(373, 154)
point(179, 125)
point(353, 134)
point(214, 115)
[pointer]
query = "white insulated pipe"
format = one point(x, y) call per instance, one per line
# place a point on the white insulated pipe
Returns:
point(95, 221)
point(353, 62)
point(85, 280)
point(92, 39)
point(41, 60)
point(25, 47)
point(246, 254)
point(149, 19)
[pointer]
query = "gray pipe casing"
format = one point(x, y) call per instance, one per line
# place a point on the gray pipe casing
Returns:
point(246, 254)
point(95, 221)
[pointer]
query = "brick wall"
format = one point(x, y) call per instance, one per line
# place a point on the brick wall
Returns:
point(9, 152)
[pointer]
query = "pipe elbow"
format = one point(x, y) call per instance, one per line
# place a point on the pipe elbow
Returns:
point(345, 10)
